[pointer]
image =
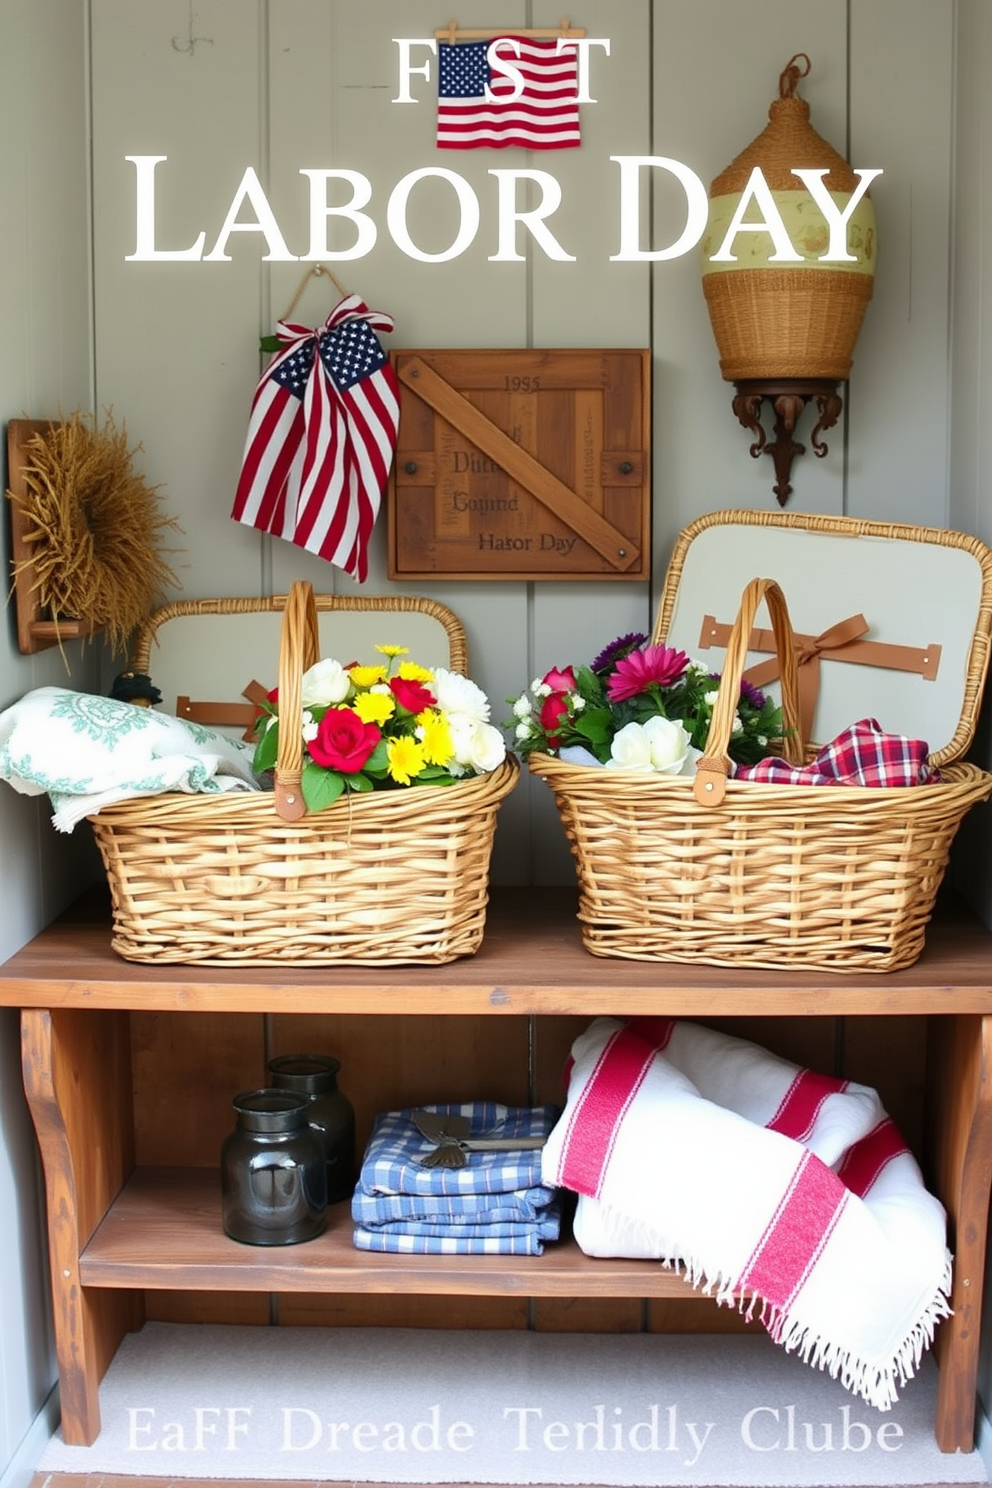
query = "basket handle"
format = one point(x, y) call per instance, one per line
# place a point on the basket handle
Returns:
point(299, 649)
point(713, 769)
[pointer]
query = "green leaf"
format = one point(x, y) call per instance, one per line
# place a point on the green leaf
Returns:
point(378, 760)
point(588, 685)
point(321, 787)
point(358, 783)
point(596, 725)
point(269, 343)
point(266, 749)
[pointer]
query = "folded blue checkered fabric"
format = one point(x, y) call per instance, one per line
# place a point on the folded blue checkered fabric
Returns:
point(416, 1238)
point(525, 1207)
point(495, 1203)
point(392, 1158)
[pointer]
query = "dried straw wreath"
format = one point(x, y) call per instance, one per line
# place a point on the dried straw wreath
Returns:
point(94, 528)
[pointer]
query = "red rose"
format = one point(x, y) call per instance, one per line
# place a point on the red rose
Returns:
point(554, 711)
point(343, 741)
point(559, 680)
point(413, 696)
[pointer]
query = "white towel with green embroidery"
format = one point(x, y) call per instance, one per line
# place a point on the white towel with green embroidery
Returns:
point(88, 751)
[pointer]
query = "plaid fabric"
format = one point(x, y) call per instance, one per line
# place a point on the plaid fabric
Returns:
point(513, 1239)
point(392, 1159)
point(496, 1204)
point(861, 755)
point(523, 1207)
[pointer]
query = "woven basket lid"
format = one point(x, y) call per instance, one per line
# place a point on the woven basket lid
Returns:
point(800, 318)
point(926, 589)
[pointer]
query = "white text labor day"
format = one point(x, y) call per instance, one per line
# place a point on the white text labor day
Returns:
point(756, 210)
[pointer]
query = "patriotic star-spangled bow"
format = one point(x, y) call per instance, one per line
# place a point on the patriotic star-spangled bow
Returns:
point(321, 436)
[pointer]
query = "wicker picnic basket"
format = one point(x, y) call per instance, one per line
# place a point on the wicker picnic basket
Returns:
point(389, 876)
point(740, 874)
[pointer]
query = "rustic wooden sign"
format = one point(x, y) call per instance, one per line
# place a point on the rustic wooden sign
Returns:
point(521, 464)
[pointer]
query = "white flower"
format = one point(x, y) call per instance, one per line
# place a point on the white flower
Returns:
point(540, 688)
point(576, 703)
point(661, 746)
point(478, 745)
point(738, 727)
point(310, 726)
point(458, 694)
point(709, 698)
point(325, 683)
point(522, 731)
point(382, 688)
point(762, 741)
point(523, 707)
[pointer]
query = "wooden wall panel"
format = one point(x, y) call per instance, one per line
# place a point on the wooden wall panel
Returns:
point(899, 401)
point(208, 1307)
point(388, 1063)
point(311, 83)
point(187, 1067)
point(336, 1310)
point(177, 343)
point(47, 361)
point(704, 114)
point(591, 302)
point(970, 443)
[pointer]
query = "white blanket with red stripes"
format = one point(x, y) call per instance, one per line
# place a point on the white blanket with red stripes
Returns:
point(786, 1193)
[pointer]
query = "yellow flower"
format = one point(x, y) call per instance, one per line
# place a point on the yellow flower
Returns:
point(405, 759)
point(411, 672)
point(435, 737)
point(367, 676)
point(374, 707)
point(393, 650)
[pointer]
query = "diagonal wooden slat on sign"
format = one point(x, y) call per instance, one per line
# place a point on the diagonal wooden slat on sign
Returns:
point(612, 544)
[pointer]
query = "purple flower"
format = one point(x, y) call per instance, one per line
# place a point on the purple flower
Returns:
point(617, 649)
point(752, 694)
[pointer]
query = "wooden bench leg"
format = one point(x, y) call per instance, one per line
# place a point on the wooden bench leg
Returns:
point(960, 1156)
point(77, 1082)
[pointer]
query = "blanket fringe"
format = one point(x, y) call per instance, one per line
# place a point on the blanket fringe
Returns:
point(876, 1384)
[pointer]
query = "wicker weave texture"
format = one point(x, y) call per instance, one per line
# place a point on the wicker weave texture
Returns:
point(801, 877)
point(816, 878)
point(784, 322)
point(381, 878)
point(391, 876)
point(772, 323)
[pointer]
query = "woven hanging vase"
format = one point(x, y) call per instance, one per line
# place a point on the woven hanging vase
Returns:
point(774, 320)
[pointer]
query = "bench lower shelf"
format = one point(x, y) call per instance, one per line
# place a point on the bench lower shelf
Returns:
point(103, 1046)
point(164, 1232)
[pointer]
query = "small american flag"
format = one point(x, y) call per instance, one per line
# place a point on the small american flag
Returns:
point(545, 116)
point(321, 437)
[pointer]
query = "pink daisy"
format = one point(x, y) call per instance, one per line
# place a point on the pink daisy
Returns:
point(658, 666)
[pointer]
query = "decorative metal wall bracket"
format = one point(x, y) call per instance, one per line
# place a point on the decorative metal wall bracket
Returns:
point(788, 397)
